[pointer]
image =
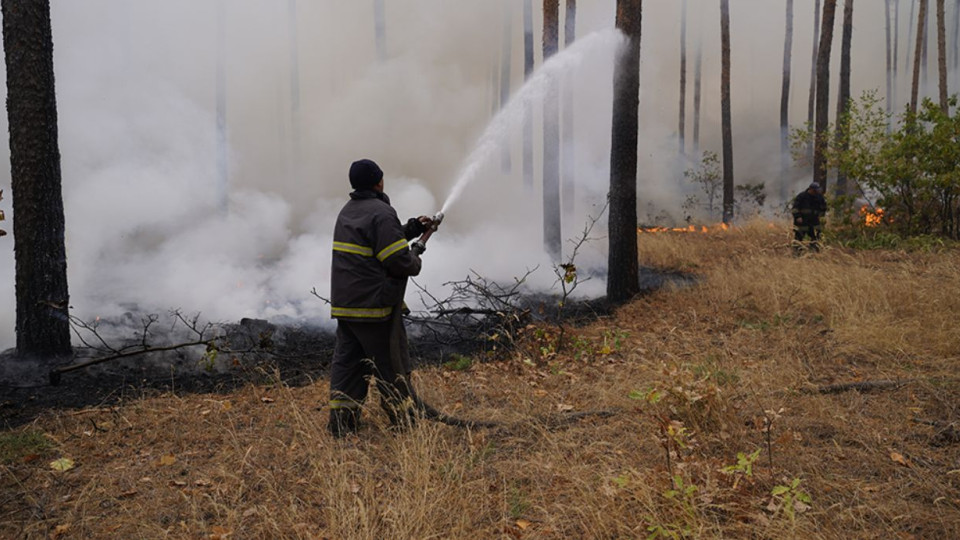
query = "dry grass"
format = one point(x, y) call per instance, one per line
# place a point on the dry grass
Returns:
point(725, 357)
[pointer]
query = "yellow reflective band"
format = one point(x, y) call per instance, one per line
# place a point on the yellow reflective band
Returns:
point(344, 404)
point(391, 249)
point(344, 247)
point(361, 313)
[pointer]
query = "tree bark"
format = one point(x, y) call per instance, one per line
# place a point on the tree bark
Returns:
point(527, 112)
point(823, 94)
point(682, 122)
point(812, 100)
point(725, 115)
point(896, 53)
point(942, 54)
point(843, 98)
point(622, 265)
point(552, 234)
point(567, 151)
point(697, 70)
point(506, 53)
point(924, 77)
point(785, 99)
point(890, 55)
point(43, 327)
point(915, 87)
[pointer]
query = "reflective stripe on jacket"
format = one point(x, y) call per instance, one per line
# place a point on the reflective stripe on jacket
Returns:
point(371, 259)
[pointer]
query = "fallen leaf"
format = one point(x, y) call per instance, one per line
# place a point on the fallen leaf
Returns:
point(29, 458)
point(178, 483)
point(60, 530)
point(266, 399)
point(226, 405)
point(167, 459)
point(897, 457)
point(523, 524)
point(202, 483)
point(62, 464)
point(249, 512)
point(540, 393)
point(562, 407)
point(354, 488)
point(219, 533)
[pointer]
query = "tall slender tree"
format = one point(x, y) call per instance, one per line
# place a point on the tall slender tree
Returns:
point(567, 153)
point(622, 264)
point(823, 94)
point(911, 25)
point(725, 116)
point(890, 56)
point(942, 54)
point(812, 100)
point(843, 98)
point(683, 76)
point(43, 327)
point(924, 77)
point(697, 79)
point(915, 87)
point(527, 111)
point(552, 234)
point(785, 98)
point(896, 52)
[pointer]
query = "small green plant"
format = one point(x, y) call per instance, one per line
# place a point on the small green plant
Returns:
point(684, 496)
point(458, 362)
point(18, 445)
point(743, 467)
point(790, 499)
point(518, 503)
point(209, 358)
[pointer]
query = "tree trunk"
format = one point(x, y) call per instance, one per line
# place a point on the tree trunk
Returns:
point(697, 71)
point(911, 25)
point(811, 101)
point(527, 112)
point(622, 265)
point(942, 54)
point(785, 100)
point(823, 94)
point(915, 87)
point(43, 327)
point(896, 53)
point(380, 30)
point(725, 119)
point(567, 152)
point(683, 76)
point(223, 179)
point(956, 38)
point(506, 53)
point(890, 53)
point(843, 98)
point(924, 77)
point(552, 235)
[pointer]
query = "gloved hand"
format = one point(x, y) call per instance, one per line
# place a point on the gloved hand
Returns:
point(418, 248)
point(415, 227)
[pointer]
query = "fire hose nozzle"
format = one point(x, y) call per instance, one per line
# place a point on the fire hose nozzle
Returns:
point(437, 218)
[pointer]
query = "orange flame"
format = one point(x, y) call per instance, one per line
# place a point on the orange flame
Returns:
point(871, 218)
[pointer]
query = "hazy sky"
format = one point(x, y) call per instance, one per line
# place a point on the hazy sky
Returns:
point(136, 99)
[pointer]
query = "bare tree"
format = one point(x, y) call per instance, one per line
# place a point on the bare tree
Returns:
point(896, 53)
point(683, 76)
point(567, 152)
point(812, 100)
point(43, 324)
point(942, 54)
point(725, 119)
point(697, 70)
point(785, 98)
point(843, 99)
point(823, 93)
point(915, 87)
point(527, 112)
point(552, 239)
point(622, 265)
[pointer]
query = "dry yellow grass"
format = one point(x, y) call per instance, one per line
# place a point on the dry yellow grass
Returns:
point(742, 348)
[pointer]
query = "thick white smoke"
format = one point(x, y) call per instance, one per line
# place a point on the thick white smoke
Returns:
point(136, 100)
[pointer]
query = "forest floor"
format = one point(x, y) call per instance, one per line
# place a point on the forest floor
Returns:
point(727, 422)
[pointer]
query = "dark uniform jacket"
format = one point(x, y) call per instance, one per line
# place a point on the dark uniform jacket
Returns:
point(371, 259)
point(808, 208)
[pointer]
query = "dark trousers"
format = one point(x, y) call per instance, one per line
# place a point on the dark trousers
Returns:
point(365, 349)
point(801, 232)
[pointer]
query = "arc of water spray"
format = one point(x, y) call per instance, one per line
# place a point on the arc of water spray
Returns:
point(511, 115)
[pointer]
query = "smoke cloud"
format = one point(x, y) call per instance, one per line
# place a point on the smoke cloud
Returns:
point(137, 116)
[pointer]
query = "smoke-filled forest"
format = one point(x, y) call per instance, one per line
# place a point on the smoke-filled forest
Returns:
point(691, 270)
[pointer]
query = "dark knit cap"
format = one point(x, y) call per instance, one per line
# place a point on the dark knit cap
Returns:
point(364, 174)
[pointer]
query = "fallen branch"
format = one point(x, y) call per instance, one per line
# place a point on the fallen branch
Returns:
point(863, 386)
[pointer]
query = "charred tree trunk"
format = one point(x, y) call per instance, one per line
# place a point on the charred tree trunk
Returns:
point(682, 122)
point(942, 54)
point(380, 30)
point(622, 265)
point(697, 70)
point(812, 100)
point(823, 94)
point(506, 53)
point(223, 179)
point(552, 235)
point(915, 86)
point(527, 112)
point(567, 152)
point(785, 99)
point(843, 98)
point(43, 327)
point(725, 119)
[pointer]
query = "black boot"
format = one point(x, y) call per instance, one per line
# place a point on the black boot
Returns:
point(343, 422)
